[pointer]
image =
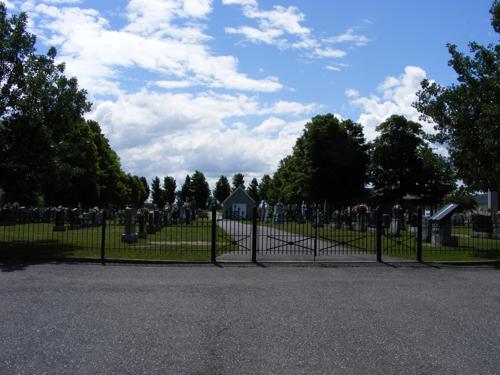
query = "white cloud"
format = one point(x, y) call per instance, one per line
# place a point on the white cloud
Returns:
point(349, 36)
point(397, 96)
point(98, 54)
point(283, 27)
point(158, 134)
point(351, 93)
point(173, 84)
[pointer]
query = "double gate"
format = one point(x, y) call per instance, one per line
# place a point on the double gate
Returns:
point(314, 236)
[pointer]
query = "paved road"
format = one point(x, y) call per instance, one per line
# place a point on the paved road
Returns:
point(116, 319)
point(275, 244)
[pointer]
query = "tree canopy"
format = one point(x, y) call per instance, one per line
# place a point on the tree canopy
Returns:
point(403, 164)
point(238, 181)
point(49, 154)
point(328, 162)
point(467, 114)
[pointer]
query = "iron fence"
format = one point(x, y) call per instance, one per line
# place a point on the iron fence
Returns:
point(301, 233)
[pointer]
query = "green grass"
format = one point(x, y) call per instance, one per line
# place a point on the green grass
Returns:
point(177, 243)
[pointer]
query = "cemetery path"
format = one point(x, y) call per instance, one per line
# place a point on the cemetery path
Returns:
point(279, 245)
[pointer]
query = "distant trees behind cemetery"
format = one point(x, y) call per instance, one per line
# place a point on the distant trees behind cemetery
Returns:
point(50, 154)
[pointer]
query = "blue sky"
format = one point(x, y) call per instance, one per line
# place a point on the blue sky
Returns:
point(226, 86)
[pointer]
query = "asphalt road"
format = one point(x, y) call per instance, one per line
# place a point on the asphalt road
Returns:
point(275, 244)
point(118, 319)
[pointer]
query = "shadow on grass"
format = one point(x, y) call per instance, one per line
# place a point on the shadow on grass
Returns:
point(18, 255)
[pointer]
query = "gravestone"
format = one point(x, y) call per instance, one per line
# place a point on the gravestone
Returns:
point(279, 217)
point(263, 211)
point(482, 226)
point(347, 219)
point(59, 221)
point(150, 227)
point(75, 218)
point(441, 226)
point(129, 234)
point(426, 229)
point(336, 220)
point(141, 220)
point(396, 222)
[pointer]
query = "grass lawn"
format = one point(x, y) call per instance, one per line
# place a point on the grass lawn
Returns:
point(179, 242)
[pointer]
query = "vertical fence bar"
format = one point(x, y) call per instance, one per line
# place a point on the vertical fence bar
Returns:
point(214, 235)
point(379, 235)
point(254, 235)
point(419, 234)
point(103, 237)
point(316, 223)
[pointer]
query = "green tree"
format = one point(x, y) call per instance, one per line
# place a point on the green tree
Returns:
point(462, 197)
point(145, 184)
point(253, 190)
point(157, 193)
point(169, 186)
point(403, 164)
point(265, 188)
point(222, 189)
point(467, 114)
point(238, 181)
point(136, 192)
point(200, 189)
point(328, 162)
point(186, 192)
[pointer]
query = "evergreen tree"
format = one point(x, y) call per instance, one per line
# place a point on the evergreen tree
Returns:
point(169, 186)
point(222, 189)
point(157, 193)
point(253, 190)
point(238, 181)
point(200, 189)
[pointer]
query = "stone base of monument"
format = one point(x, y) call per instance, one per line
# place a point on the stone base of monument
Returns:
point(59, 228)
point(439, 240)
point(477, 234)
point(372, 230)
point(359, 227)
point(142, 235)
point(130, 238)
point(413, 230)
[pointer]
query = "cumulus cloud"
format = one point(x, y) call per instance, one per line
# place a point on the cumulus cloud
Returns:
point(157, 133)
point(395, 95)
point(98, 54)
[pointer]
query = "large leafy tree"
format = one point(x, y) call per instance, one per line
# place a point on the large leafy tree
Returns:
point(328, 162)
point(222, 189)
point(200, 189)
point(403, 164)
point(467, 114)
point(169, 186)
point(265, 187)
point(48, 152)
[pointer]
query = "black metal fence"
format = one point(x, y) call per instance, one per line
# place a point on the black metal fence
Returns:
point(308, 233)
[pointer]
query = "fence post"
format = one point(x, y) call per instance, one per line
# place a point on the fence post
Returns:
point(379, 235)
point(419, 234)
point(254, 235)
point(316, 223)
point(103, 237)
point(213, 256)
